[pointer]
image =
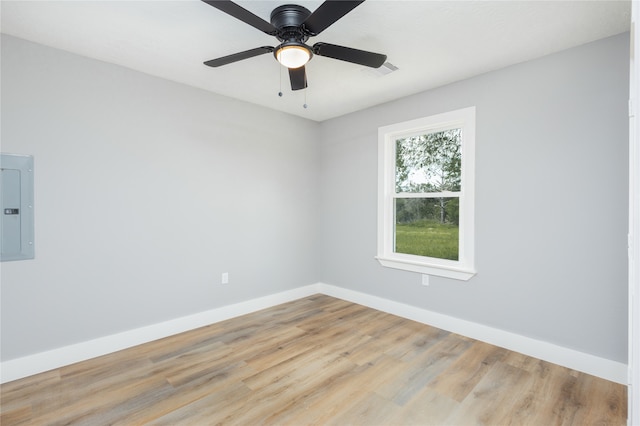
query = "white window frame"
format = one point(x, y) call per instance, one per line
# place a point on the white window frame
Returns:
point(464, 267)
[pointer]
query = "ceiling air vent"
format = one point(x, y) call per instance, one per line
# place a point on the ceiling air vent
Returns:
point(384, 69)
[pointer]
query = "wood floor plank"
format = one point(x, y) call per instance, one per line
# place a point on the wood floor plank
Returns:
point(488, 404)
point(538, 404)
point(267, 342)
point(340, 317)
point(595, 404)
point(408, 336)
point(422, 370)
point(112, 404)
point(314, 361)
point(271, 400)
point(427, 408)
point(372, 410)
point(16, 400)
point(210, 409)
point(463, 375)
point(334, 399)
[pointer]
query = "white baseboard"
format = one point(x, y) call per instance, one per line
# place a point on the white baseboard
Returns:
point(56, 358)
point(44, 361)
point(570, 358)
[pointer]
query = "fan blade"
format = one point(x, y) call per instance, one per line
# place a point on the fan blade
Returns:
point(298, 77)
point(356, 56)
point(242, 14)
point(239, 56)
point(328, 13)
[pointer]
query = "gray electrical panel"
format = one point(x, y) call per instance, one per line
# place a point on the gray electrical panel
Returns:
point(16, 207)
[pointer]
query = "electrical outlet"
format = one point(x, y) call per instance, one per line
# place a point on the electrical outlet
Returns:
point(225, 278)
point(425, 279)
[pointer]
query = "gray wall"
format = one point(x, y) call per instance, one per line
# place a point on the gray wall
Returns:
point(551, 200)
point(145, 192)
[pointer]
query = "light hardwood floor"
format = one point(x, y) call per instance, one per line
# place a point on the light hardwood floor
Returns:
point(317, 360)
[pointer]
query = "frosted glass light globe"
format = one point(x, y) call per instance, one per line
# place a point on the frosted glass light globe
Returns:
point(293, 56)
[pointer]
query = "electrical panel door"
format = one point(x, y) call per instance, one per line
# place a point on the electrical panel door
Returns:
point(16, 207)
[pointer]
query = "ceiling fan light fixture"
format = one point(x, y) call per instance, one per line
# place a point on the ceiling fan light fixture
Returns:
point(293, 55)
point(292, 25)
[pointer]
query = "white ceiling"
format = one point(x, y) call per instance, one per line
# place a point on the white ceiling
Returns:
point(431, 42)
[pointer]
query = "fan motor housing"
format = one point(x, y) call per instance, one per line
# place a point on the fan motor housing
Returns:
point(288, 19)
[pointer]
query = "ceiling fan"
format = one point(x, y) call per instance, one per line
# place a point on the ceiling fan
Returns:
point(292, 25)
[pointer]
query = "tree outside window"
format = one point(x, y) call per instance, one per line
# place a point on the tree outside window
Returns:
point(430, 165)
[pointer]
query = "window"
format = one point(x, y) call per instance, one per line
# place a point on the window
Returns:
point(426, 195)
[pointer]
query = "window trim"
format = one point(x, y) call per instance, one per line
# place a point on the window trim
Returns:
point(464, 267)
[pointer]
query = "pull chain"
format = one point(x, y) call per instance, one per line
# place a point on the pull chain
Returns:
point(280, 94)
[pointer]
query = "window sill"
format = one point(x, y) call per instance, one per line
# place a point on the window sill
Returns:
point(424, 268)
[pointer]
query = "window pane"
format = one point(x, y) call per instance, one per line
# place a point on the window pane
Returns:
point(429, 163)
point(427, 227)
